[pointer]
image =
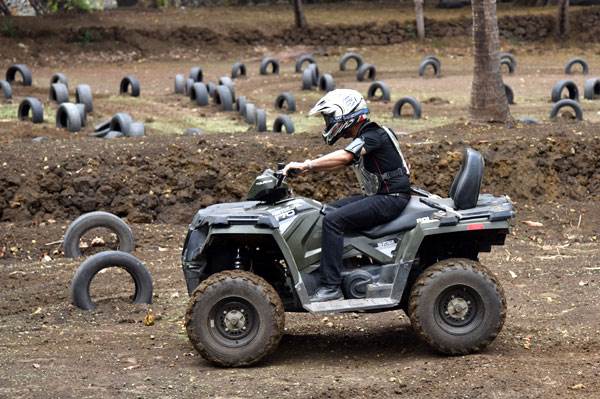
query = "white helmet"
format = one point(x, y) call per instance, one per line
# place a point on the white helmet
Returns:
point(341, 109)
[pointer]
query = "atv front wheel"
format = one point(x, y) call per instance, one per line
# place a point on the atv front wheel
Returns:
point(457, 306)
point(234, 318)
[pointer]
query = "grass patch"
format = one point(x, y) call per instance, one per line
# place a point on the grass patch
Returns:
point(8, 111)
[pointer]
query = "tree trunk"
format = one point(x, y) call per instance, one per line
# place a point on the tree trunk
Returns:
point(299, 14)
point(562, 20)
point(4, 10)
point(420, 19)
point(488, 98)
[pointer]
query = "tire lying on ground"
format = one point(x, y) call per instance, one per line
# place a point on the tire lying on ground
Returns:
point(80, 286)
point(83, 95)
point(196, 74)
point(59, 78)
point(189, 83)
point(261, 120)
point(238, 69)
point(566, 103)
point(304, 58)
point(379, 86)
point(240, 105)
point(357, 58)
point(223, 98)
point(506, 61)
point(59, 93)
point(22, 70)
point(130, 82)
point(591, 89)
point(179, 84)
point(104, 125)
point(193, 131)
point(199, 93)
point(82, 114)
point(326, 83)
point(121, 122)
point(226, 81)
point(510, 95)
point(366, 72)
point(137, 129)
point(93, 220)
point(112, 134)
point(286, 101)
point(413, 102)
point(283, 122)
point(269, 61)
point(560, 86)
point(35, 106)
point(430, 62)
point(6, 89)
point(250, 113)
point(68, 117)
point(255, 298)
point(585, 69)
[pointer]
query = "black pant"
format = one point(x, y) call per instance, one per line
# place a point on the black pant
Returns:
point(353, 214)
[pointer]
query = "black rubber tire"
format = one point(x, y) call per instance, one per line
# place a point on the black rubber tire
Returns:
point(304, 58)
point(21, 69)
point(6, 89)
point(574, 105)
point(250, 113)
point(223, 98)
point(434, 58)
point(326, 83)
point(506, 61)
point(80, 285)
point(511, 58)
point(212, 89)
point(437, 68)
point(283, 122)
point(307, 79)
point(59, 93)
point(479, 290)
point(112, 134)
point(558, 88)
point(266, 62)
point(128, 83)
point(104, 125)
point(121, 122)
point(240, 105)
point(351, 56)
point(196, 74)
point(350, 284)
point(226, 81)
point(577, 61)
point(238, 69)
point(205, 334)
point(261, 120)
point(187, 88)
point(179, 84)
point(68, 117)
point(59, 78)
point(414, 103)
point(137, 129)
point(101, 133)
point(510, 95)
point(35, 106)
point(314, 69)
point(82, 114)
point(92, 220)
point(366, 72)
point(199, 93)
point(83, 95)
point(193, 131)
point(381, 86)
point(591, 89)
point(528, 120)
point(285, 102)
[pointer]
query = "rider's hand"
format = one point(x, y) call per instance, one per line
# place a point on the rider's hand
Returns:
point(300, 167)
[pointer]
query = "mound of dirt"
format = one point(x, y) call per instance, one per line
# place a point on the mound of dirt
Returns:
point(167, 178)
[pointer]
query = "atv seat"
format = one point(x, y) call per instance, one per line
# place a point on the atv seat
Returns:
point(464, 194)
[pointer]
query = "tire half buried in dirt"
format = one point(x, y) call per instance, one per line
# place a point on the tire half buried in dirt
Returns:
point(235, 318)
point(80, 285)
point(93, 220)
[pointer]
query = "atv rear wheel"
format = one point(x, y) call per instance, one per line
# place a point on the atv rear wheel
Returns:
point(235, 318)
point(457, 306)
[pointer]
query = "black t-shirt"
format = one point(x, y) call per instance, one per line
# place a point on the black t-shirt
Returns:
point(381, 156)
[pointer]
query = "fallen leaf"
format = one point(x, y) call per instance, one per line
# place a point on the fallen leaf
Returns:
point(149, 318)
point(577, 387)
point(512, 274)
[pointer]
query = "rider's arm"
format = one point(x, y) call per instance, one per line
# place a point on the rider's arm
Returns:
point(333, 160)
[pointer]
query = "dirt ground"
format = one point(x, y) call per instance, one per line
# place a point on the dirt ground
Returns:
point(549, 347)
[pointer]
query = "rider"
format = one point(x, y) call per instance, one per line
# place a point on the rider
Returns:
point(380, 168)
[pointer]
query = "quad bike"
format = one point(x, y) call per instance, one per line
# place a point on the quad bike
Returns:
point(247, 263)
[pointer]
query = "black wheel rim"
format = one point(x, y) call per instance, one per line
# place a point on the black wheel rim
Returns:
point(459, 310)
point(233, 322)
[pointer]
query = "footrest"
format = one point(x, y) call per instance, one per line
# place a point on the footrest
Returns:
point(379, 290)
point(350, 305)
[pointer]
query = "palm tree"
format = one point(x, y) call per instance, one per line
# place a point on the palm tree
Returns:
point(420, 19)
point(299, 14)
point(488, 98)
